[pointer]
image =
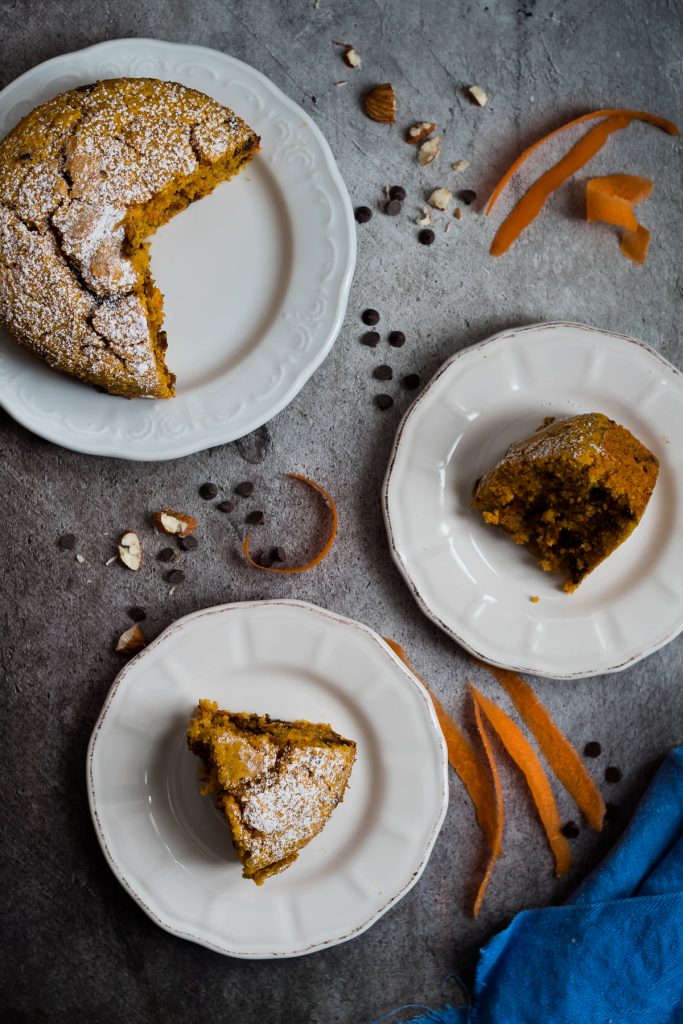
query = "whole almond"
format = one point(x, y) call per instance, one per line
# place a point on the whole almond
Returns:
point(380, 104)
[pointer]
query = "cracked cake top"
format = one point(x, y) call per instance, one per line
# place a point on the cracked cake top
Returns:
point(83, 179)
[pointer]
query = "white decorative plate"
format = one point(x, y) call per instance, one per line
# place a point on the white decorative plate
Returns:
point(471, 579)
point(256, 276)
point(169, 846)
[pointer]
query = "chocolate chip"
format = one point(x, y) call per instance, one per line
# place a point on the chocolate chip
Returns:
point(137, 614)
point(397, 192)
point(393, 208)
point(370, 317)
point(265, 559)
point(467, 196)
point(383, 372)
point(397, 339)
point(592, 749)
point(225, 506)
point(363, 214)
point(426, 236)
point(189, 543)
point(24, 156)
point(370, 338)
point(208, 491)
point(612, 773)
point(167, 555)
point(411, 381)
point(255, 518)
point(384, 402)
point(245, 489)
point(570, 830)
point(175, 576)
point(278, 554)
point(612, 812)
point(67, 541)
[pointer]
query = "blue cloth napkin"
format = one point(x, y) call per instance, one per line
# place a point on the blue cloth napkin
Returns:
point(613, 954)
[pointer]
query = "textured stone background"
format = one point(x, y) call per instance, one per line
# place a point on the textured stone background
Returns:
point(76, 946)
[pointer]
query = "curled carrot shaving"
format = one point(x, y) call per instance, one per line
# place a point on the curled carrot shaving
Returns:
point(524, 756)
point(463, 758)
point(635, 244)
point(556, 748)
point(631, 187)
point(325, 550)
point(632, 115)
point(532, 202)
point(496, 842)
point(609, 208)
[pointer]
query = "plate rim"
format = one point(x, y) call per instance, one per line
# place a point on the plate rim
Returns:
point(109, 447)
point(421, 601)
point(167, 923)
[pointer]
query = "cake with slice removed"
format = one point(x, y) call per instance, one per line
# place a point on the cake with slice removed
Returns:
point(85, 179)
point(572, 492)
point(276, 782)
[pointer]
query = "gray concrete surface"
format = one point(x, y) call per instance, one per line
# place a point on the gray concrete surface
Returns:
point(76, 946)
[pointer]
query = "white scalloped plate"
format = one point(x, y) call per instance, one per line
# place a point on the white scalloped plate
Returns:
point(171, 849)
point(474, 582)
point(256, 276)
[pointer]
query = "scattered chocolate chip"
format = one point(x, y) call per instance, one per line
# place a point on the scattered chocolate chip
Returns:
point(363, 214)
point(370, 338)
point(592, 749)
point(24, 156)
point(393, 207)
point(225, 506)
point(255, 518)
point(189, 543)
point(175, 576)
point(278, 554)
point(245, 489)
point(370, 317)
point(570, 830)
point(137, 614)
point(265, 559)
point(397, 192)
point(383, 372)
point(167, 555)
point(467, 196)
point(426, 236)
point(411, 381)
point(384, 402)
point(208, 491)
point(612, 812)
point(397, 339)
point(67, 541)
point(612, 773)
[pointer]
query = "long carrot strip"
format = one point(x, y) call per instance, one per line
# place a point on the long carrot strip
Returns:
point(463, 758)
point(524, 756)
point(556, 748)
point(324, 550)
point(532, 202)
point(497, 841)
point(635, 244)
point(635, 115)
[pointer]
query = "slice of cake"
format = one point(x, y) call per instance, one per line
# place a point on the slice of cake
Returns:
point(277, 782)
point(85, 179)
point(572, 492)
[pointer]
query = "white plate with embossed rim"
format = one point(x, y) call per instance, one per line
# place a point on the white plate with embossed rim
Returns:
point(474, 582)
point(256, 276)
point(170, 848)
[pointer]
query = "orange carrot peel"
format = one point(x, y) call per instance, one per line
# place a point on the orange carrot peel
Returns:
point(611, 199)
point(496, 842)
point(632, 115)
point(524, 756)
point(635, 244)
point(463, 758)
point(556, 748)
point(324, 551)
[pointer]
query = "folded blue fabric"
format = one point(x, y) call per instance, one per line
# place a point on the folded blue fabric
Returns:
point(613, 954)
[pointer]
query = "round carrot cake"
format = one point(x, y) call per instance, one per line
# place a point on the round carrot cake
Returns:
point(85, 179)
